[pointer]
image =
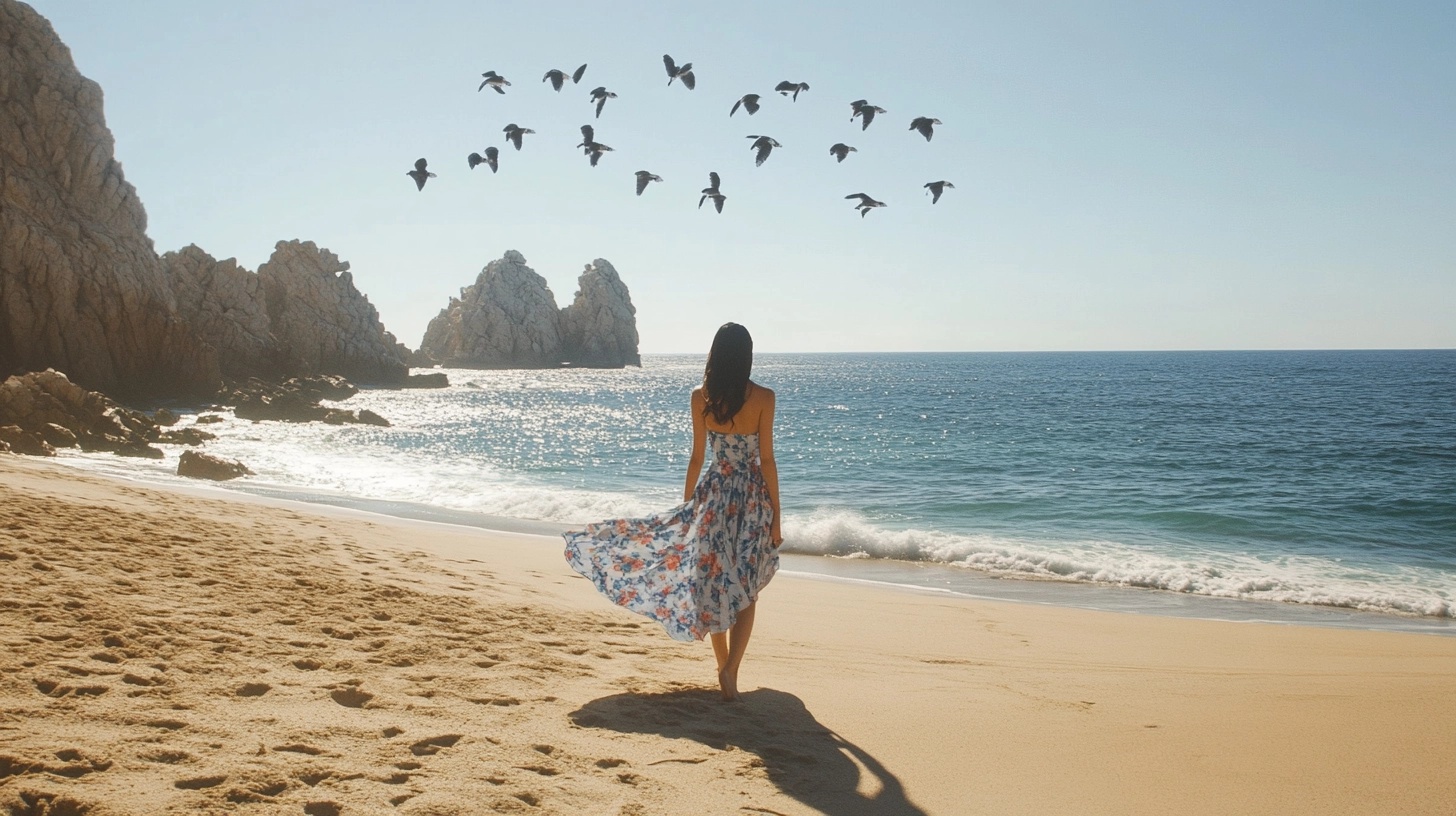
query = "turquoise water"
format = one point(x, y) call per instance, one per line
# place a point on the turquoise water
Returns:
point(1321, 478)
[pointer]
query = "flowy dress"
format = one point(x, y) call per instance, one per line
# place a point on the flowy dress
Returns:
point(695, 567)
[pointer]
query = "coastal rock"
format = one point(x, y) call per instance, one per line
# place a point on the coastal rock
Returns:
point(164, 417)
point(435, 379)
point(18, 440)
point(297, 400)
point(506, 319)
point(322, 322)
point(204, 466)
point(599, 328)
point(225, 304)
point(48, 404)
point(185, 436)
point(81, 287)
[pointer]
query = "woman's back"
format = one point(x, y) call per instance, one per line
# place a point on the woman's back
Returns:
point(757, 403)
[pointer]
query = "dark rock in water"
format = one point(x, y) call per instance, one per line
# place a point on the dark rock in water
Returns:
point(185, 436)
point(204, 466)
point(140, 450)
point(322, 387)
point(284, 406)
point(368, 417)
point(164, 417)
point(433, 380)
point(209, 419)
point(336, 416)
point(24, 442)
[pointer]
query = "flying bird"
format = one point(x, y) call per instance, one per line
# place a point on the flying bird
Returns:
point(936, 188)
point(786, 87)
point(557, 78)
point(491, 157)
point(420, 174)
point(683, 72)
point(925, 125)
point(840, 150)
point(749, 103)
point(861, 108)
point(764, 145)
point(514, 132)
point(590, 146)
point(865, 203)
point(712, 191)
point(600, 95)
point(644, 177)
point(494, 80)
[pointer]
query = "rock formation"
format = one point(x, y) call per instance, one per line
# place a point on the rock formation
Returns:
point(599, 328)
point(81, 287)
point(508, 319)
point(322, 321)
point(205, 466)
point(225, 305)
point(47, 406)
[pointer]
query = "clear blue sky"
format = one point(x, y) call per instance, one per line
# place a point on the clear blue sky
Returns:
point(1129, 175)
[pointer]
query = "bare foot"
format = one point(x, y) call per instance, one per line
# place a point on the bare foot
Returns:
point(728, 684)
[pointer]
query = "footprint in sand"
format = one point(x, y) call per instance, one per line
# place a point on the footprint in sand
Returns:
point(432, 746)
point(351, 697)
point(200, 782)
point(322, 809)
point(253, 690)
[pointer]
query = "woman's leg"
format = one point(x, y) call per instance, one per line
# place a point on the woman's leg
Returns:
point(737, 645)
point(720, 648)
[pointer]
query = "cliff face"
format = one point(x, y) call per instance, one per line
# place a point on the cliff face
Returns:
point(224, 303)
point(599, 328)
point(322, 322)
point(506, 319)
point(81, 288)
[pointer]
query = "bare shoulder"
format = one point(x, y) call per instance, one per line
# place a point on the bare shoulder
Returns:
point(762, 395)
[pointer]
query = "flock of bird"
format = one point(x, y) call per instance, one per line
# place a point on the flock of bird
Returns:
point(762, 146)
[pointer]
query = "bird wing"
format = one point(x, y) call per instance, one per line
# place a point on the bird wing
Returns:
point(419, 180)
point(863, 199)
point(701, 200)
point(642, 179)
point(587, 132)
point(491, 153)
point(750, 102)
point(734, 109)
point(482, 85)
point(595, 156)
point(421, 164)
point(578, 74)
point(764, 147)
point(555, 77)
point(869, 116)
point(474, 159)
point(784, 87)
point(713, 181)
point(718, 202)
point(499, 89)
point(515, 137)
point(601, 100)
point(689, 80)
point(671, 66)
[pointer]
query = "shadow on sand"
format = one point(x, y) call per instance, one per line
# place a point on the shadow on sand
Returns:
point(806, 760)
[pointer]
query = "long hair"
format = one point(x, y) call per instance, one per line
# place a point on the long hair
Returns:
point(725, 379)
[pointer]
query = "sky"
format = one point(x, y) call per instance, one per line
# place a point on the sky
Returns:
point(1128, 175)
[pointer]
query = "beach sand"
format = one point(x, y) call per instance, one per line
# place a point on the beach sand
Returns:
point(193, 651)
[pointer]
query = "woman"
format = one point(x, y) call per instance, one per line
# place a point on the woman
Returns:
point(697, 569)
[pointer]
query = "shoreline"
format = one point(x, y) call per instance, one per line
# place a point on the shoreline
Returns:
point(887, 572)
point(167, 651)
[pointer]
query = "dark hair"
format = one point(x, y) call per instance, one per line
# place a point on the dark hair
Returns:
point(725, 379)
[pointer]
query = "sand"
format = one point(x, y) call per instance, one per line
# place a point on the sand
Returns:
point(191, 651)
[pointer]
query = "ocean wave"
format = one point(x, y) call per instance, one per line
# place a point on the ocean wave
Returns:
point(1302, 580)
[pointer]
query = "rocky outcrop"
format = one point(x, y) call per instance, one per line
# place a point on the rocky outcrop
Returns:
point(435, 379)
point(508, 319)
point(297, 400)
point(224, 303)
point(48, 406)
point(205, 466)
point(81, 287)
point(322, 321)
point(599, 328)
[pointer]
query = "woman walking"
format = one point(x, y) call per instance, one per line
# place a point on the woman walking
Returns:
point(698, 568)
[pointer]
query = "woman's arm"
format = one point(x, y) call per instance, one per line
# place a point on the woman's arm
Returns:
point(700, 436)
point(769, 466)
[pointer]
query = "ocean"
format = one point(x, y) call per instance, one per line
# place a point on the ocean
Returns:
point(1291, 486)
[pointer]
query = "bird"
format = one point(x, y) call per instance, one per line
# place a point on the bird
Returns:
point(600, 95)
point(925, 125)
point(749, 103)
point(491, 157)
point(420, 174)
point(494, 80)
point(644, 177)
point(712, 191)
point(936, 188)
point(865, 203)
point(764, 145)
point(514, 132)
point(840, 150)
point(862, 108)
point(683, 72)
point(558, 77)
point(786, 87)
point(590, 146)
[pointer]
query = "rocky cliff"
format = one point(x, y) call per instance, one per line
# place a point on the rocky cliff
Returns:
point(599, 328)
point(322, 322)
point(81, 288)
point(506, 319)
point(225, 304)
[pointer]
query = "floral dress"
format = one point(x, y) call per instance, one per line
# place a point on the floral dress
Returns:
point(695, 567)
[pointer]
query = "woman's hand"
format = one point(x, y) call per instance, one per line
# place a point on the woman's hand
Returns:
point(776, 535)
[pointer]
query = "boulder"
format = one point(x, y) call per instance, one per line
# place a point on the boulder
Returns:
point(81, 287)
point(297, 400)
point(204, 466)
point(57, 436)
point(18, 440)
point(322, 322)
point(209, 419)
point(164, 417)
point(368, 417)
point(506, 319)
point(48, 404)
point(185, 436)
point(599, 328)
point(436, 379)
